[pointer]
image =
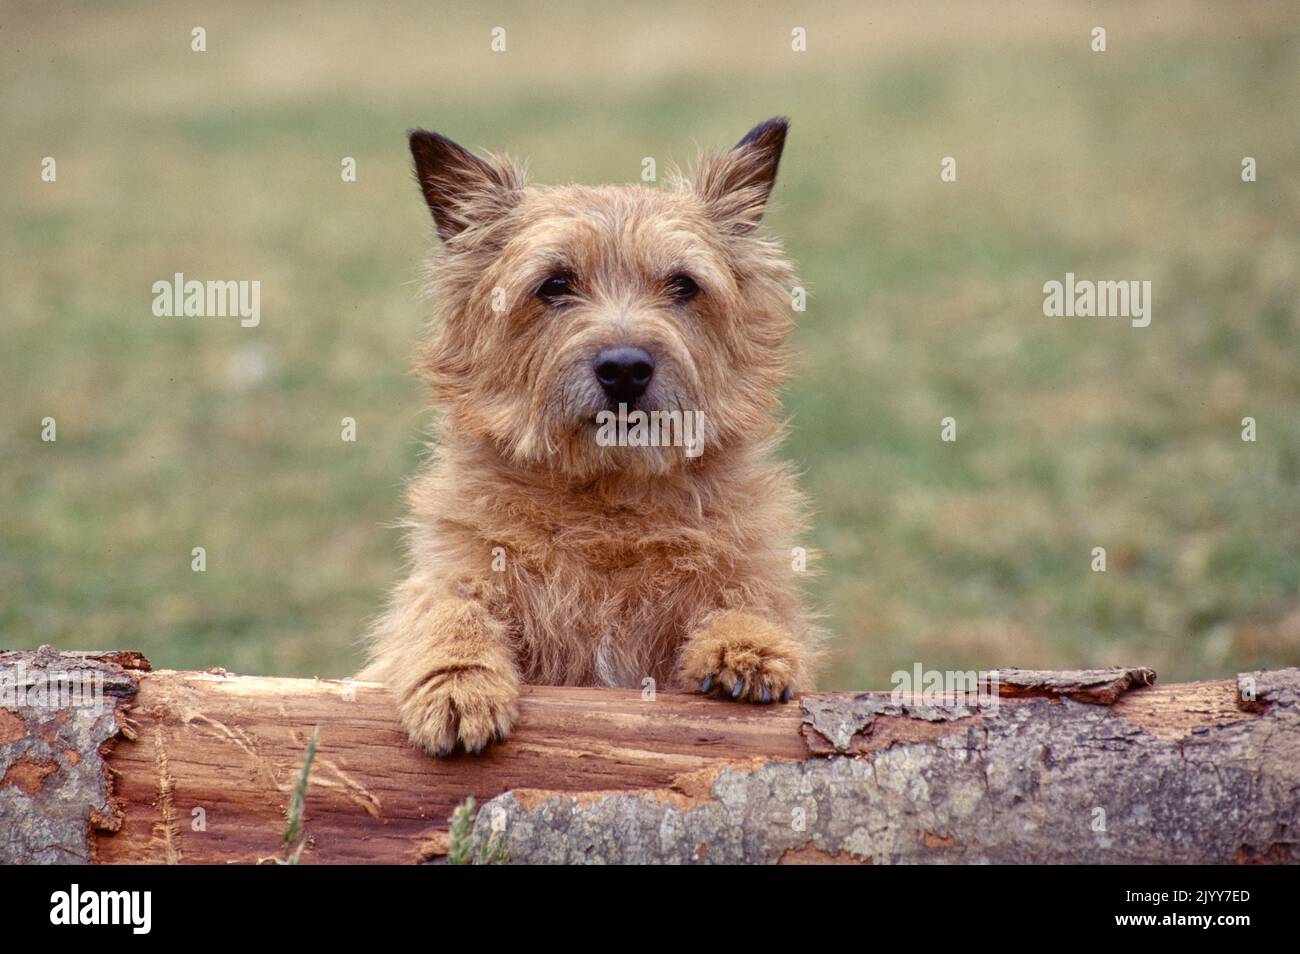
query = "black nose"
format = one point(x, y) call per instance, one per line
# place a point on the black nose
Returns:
point(624, 372)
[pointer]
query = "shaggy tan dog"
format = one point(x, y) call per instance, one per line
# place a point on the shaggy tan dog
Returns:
point(551, 541)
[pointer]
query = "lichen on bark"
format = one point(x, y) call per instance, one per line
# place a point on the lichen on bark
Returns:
point(54, 785)
point(1039, 780)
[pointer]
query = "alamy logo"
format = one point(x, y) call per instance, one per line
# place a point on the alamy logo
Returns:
point(1088, 299)
point(623, 428)
point(51, 689)
point(102, 907)
point(938, 687)
point(179, 298)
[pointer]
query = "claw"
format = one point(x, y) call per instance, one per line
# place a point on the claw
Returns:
point(785, 694)
point(707, 684)
point(477, 749)
point(740, 687)
point(444, 751)
point(767, 695)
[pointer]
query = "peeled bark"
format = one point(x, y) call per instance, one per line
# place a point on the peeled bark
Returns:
point(1100, 766)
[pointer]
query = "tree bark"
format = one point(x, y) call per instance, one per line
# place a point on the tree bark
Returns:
point(1097, 766)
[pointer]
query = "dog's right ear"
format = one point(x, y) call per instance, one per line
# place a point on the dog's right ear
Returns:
point(461, 188)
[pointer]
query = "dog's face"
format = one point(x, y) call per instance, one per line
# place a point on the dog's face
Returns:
point(561, 312)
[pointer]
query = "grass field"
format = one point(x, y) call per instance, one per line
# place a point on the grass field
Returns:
point(926, 302)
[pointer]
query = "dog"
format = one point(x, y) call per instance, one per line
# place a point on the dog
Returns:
point(551, 539)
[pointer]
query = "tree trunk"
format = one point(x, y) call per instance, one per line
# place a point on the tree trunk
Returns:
point(1098, 766)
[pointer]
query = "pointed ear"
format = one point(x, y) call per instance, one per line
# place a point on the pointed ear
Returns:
point(735, 185)
point(461, 188)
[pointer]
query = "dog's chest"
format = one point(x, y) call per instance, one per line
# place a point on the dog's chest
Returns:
point(618, 618)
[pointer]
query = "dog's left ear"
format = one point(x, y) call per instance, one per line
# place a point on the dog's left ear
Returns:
point(735, 185)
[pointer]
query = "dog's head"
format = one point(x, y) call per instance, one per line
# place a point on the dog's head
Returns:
point(563, 311)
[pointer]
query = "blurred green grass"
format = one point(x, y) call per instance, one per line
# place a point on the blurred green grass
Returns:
point(925, 302)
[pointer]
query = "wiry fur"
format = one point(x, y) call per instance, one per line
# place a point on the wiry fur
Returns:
point(620, 563)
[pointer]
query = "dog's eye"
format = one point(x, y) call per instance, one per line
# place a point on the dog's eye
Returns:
point(558, 286)
point(683, 287)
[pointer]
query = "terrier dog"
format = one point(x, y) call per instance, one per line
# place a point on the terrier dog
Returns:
point(552, 539)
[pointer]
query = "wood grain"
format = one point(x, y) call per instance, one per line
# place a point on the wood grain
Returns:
point(198, 767)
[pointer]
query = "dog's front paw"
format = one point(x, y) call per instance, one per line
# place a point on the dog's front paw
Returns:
point(466, 706)
point(743, 657)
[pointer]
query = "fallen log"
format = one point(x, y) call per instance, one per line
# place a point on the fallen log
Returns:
point(1096, 767)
